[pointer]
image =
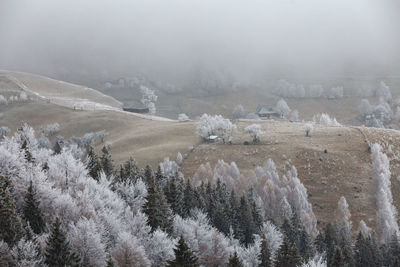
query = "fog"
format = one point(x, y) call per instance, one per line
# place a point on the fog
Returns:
point(167, 39)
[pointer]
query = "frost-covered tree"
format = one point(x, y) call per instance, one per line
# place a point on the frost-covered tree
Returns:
point(325, 119)
point(308, 127)
point(214, 125)
point(238, 112)
point(255, 131)
point(179, 159)
point(386, 211)
point(343, 214)
point(282, 108)
point(6, 259)
point(294, 116)
point(23, 97)
point(384, 92)
point(160, 248)
point(129, 252)
point(183, 117)
point(365, 107)
point(85, 239)
point(148, 99)
point(316, 261)
point(25, 254)
point(336, 92)
point(3, 100)
point(50, 129)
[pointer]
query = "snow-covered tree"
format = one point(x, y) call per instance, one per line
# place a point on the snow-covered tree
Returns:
point(183, 117)
point(294, 116)
point(148, 99)
point(364, 229)
point(384, 92)
point(23, 97)
point(25, 254)
point(179, 159)
point(282, 108)
point(316, 261)
point(343, 214)
point(3, 100)
point(238, 112)
point(365, 107)
point(129, 251)
point(86, 241)
point(336, 92)
point(214, 125)
point(386, 211)
point(50, 129)
point(308, 127)
point(325, 119)
point(255, 131)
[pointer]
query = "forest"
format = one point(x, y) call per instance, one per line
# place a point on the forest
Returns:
point(65, 207)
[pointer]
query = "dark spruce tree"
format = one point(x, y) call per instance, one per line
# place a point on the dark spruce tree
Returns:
point(287, 255)
point(246, 223)
point(32, 212)
point(11, 229)
point(58, 251)
point(189, 200)
point(93, 164)
point(159, 176)
point(184, 257)
point(234, 261)
point(106, 162)
point(148, 174)
point(265, 255)
point(174, 194)
point(28, 154)
point(337, 259)
point(157, 208)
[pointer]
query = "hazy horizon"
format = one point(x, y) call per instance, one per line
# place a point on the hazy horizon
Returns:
point(167, 40)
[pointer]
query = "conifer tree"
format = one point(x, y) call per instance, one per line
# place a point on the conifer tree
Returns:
point(287, 255)
point(58, 251)
point(337, 260)
point(246, 224)
point(159, 176)
point(28, 154)
point(305, 245)
point(174, 194)
point(32, 212)
point(107, 162)
point(110, 262)
point(184, 257)
point(234, 261)
point(157, 209)
point(11, 229)
point(148, 174)
point(93, 164)
point(189, 201)
point(265, 255)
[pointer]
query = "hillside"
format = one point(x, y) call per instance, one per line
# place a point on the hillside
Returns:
point(344, 170)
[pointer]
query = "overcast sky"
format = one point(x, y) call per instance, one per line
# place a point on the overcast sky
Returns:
point(169, 37)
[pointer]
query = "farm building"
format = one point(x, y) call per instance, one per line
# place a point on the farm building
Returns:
point(266, 112)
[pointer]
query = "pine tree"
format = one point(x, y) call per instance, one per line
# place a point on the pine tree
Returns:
point(32, 212)
point(110, 262)
point(289, 232)
point(11, 229)
point(159, 176)
point(305, 245)
point(189, 201)
point(58, 251)
point(28, 154)
point(106, 162)
point(157, 209)
point(337, 259)
point(148, 174)
point(287, 255)
point(174, 194)
point(234, 261)
point(183, 256)
point(93, 164)
point(265, 255)
point(246, 224)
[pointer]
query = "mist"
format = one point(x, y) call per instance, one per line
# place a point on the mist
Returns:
point(166, 40)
